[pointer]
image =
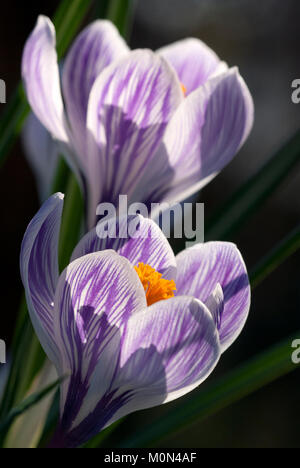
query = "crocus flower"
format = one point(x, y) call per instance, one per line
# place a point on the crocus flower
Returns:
point(154, 126)
point(127, 323)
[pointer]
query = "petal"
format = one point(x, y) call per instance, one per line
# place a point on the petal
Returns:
point(96, 47)
point(42, 154)
point(193, 61)
point(130, 105)
point(204, 135)
point(95, 295)
point(166, 351)
point(201, 268)
point(39, 270)
point(136, 238)
point(41, 78)
point(215, 304)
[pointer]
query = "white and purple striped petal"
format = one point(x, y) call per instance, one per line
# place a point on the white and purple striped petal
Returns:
point(130, 105)
point(203, 267)
point(95, 48)
point(166, 351)
point(204, 135)
point(137, 238)
point(193, 61)
point(39, 270)
point(95, 296)
point(40, 74)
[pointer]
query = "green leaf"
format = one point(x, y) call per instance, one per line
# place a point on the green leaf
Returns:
point(25, 336)
point(71, 221)
point(51, 422)
point(24, 406)
point(67, 21)
point(61, 179)
point(217, 395)
point(11, 122)
point(99, 439)
point(101, 8)
point(276, 257)
point(120, 12)
point(251, 196)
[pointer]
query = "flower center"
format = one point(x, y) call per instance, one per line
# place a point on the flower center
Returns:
point(156, 287)
point(184, 90)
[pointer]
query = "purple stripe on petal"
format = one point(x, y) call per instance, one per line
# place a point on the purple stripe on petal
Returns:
point(204, 135)
point(95, 48)
point(130, 105)
point(39, 270)
point(96, 294)
point(193, 61)
point(201, 268)
point(165, 351)
point(186, 344)
point(41, 78)
point(138, 239)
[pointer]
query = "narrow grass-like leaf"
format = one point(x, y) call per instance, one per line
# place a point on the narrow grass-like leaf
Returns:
point(25, 336)
point(217, 395)
point(251, 195)
point(120, 12)
point(61, 178)
point(51, 422)
point(67, 21)
point(99, 440)
point(101, 8)
point(71, 221)
point(276, 257)
point(24, 406)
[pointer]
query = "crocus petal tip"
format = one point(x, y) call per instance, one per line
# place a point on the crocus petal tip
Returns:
point(59, 195)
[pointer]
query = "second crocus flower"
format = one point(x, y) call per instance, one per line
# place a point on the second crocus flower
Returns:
point(154, 126)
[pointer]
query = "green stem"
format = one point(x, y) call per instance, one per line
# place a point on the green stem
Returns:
point(215, 396)
point(67, 20)
point(251, 195)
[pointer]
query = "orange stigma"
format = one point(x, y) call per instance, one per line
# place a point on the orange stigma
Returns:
point(184, 90)
point(156, 287)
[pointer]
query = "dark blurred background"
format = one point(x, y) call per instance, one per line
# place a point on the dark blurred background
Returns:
point(263, 39)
